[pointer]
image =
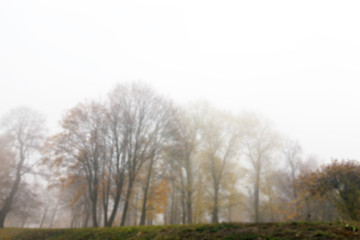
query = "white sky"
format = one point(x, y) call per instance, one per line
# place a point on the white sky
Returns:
point(295, 62)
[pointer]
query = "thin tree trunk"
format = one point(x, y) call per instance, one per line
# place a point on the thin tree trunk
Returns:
point(44, 216)
point(99, 216)
point(216, 183)
point(165, 216)
point(87, 213)
point(127, 199)
point(183, 207)
point(143, 211)
point(215, 217)
point(189, 206)
point(173, 203)
point(105, 207)
point(54, 214)
point(257, 197)
point(136, 211)
point(86, 220)
point(25, 218)
point(189, 190)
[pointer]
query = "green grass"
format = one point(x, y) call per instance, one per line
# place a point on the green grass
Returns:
point(228, 231)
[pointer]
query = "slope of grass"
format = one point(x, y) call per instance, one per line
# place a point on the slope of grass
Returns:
point(228, 231)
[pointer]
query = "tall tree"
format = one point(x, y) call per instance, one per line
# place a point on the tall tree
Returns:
point(183, 156)
point(145, 119)
point(220, 144)
point(260, 141)
point(23, 131)
point(79, 150)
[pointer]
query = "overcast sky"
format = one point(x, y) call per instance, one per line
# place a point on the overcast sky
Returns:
point(295, 62)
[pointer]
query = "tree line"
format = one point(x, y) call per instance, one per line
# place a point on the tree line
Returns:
point(137, 158)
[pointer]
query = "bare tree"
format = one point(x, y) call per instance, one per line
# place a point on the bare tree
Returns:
point(24, 131)
point(220, 144)
point(292, 153)
point(260, 141)
point(182, 155)
point(143, 122)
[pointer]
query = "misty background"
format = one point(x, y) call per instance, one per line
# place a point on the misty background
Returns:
point(297, 63)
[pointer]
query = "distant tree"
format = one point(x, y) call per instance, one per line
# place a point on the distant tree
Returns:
point(23, 132)
point(220, 140)
point(292, 154)
point(182, 160)
point(338, 182)
point(260, 143)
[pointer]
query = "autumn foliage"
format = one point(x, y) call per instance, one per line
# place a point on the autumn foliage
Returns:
point(338, 182)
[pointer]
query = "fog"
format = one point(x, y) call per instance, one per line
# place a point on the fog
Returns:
point(294, 65)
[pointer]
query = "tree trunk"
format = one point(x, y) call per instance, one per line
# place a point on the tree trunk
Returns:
point(189, 189)
point(87, 213)
point(257, 197)
point(215, 217)
point(8, 201)
point(183, 207)
point(173, 203)
point(99, 216)
point(127, 199)
point(86, 220)
point(105, 207)
point(2, 218)
point(54, 214)
point(94, 206)
point(189, 207)
point(143, 211)
point(24, 220)
point(115, 207)
point(44, 216)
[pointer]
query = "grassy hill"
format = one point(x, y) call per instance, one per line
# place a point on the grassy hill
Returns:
point(229, 231)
